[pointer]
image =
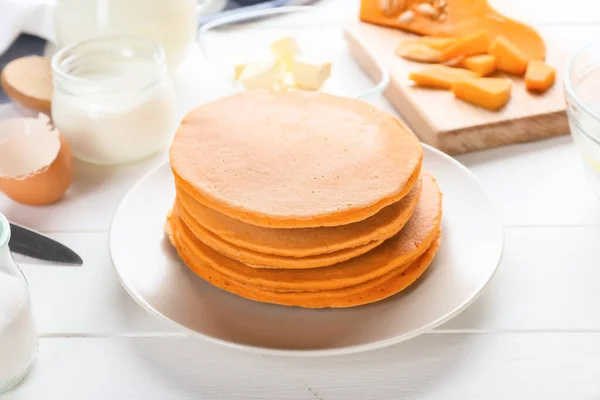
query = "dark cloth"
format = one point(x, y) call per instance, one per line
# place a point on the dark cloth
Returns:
point(24, 45)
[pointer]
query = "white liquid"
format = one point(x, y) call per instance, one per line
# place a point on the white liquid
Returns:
point(18, 338)
point(118, 128)
point(170, 23)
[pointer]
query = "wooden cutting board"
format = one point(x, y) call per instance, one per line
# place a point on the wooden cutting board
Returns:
point(449, 124)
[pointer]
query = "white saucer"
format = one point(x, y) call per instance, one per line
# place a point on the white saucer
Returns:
point(152, 273)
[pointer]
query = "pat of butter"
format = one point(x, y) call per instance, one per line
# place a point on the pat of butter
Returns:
point(310, 73)
point(287, 84)
point(262, 75)
point(286, 48)
point(244, 59)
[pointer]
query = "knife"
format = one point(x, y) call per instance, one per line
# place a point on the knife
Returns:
point(32, 244)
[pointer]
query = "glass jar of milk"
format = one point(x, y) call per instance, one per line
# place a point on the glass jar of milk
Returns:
point(113, 100)
point(170, 23)
point(18, 336)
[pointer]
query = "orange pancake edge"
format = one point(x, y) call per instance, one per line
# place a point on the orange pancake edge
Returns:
point(376, 290)
point(334, 219)
point(311, 159)
point(258, 260)
point(401, 249)
point(302, 242)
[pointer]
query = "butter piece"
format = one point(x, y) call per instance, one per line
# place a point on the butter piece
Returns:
point(242, 60)
point(286, 48)
point(287, 84)
point(310, 73)
point(262, 75)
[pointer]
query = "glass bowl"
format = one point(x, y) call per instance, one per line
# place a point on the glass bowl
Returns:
point(254, 31)
point(583, 108)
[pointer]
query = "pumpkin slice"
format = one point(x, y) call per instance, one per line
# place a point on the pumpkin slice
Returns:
point(418, 52)
point(508, 56)
point(490, 93)
point(439, 76)
point(482, 65)
point(438, 43)
point(539, 76)
point(454, 62)
point(470, 45)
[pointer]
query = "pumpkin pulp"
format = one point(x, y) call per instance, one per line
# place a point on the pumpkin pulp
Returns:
point(463, 18)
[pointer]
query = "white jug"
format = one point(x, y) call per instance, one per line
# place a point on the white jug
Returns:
point(170, 23)
point(18, 337)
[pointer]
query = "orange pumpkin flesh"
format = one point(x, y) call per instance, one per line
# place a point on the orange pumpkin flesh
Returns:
point(464, 17)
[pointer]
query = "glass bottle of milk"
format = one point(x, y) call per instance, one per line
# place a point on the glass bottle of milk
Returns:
point(18, 336)
point(170, 23)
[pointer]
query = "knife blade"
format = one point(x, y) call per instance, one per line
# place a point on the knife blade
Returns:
point(243, 7)
point(29, 243)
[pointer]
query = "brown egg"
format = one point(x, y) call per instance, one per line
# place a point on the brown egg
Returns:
point(36, 163)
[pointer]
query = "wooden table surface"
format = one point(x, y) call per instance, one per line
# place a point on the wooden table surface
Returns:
point(533, 334)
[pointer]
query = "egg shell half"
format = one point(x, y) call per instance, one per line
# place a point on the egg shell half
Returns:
point(36, 163)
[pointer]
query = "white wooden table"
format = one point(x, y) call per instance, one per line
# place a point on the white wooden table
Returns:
point(533, 334)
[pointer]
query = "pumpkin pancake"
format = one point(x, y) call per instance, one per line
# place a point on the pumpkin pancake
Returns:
point(294, 160)
point(374, 290)
point(300, 242)
point(402, 249)
point(258, 260)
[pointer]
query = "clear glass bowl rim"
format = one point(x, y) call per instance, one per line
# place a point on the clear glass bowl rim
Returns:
point(4, 231)
point(243, 16)
point(571, 93)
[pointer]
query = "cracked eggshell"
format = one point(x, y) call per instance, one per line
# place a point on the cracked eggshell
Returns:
point(36, 163)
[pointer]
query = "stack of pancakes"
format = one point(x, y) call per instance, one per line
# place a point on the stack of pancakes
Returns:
point(302, 199)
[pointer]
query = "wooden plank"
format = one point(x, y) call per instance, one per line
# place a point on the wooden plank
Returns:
point(537, 184)
point(547, 281)
point(89, 203)
point(87, 299)
point(455, 126)
point(437, 366)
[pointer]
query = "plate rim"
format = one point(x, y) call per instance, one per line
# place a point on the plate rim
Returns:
point(325, 352)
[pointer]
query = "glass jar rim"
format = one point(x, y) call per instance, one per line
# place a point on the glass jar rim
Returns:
point(65, 56)
point(4, 231)
point(569, 88)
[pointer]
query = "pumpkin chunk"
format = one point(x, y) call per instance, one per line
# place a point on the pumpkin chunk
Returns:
point(482, 65)
point(470, 45)
point(439, 76)
point(509, 58)
point(539, 76)
point(490, 93)
point(418, 52)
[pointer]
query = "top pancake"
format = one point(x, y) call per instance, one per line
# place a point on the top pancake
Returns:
point(292, 160)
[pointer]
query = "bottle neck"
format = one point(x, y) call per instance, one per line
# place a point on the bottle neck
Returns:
point(7, 264)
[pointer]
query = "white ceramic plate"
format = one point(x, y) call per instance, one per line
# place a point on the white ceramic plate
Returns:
point(152, 273)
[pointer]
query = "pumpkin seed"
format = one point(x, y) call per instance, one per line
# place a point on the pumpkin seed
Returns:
point(406, 16)
point(392, 7)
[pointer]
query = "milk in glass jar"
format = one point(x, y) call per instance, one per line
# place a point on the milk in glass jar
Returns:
point(113, 100)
